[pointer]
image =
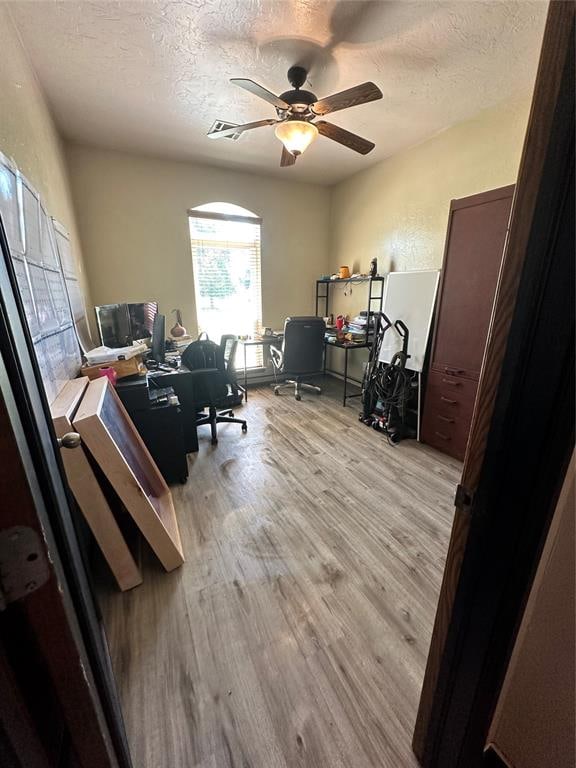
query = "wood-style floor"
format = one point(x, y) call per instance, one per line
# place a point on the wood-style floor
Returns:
point(295, 635)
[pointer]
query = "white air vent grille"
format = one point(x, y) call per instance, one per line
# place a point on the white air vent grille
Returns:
point(221, 125)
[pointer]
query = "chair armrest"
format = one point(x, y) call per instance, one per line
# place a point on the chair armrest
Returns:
point(276, 356)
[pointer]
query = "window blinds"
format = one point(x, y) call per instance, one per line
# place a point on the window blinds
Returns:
point(227, 280)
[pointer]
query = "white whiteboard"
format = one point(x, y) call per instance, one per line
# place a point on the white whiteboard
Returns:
point(410, 297)
point(9, 209)
point(40, 278)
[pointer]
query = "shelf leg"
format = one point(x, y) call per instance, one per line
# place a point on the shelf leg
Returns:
point(245, 376)
point(345, 376)
point(419, 406)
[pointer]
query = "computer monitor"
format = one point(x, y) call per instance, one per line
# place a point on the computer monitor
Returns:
point(142, 319)
point(114, 325)
point(159, 339)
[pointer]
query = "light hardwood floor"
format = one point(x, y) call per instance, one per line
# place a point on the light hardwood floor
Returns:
point(295, 634)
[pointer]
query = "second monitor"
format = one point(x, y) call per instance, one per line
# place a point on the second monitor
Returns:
point(158, 351)
point(142, 319)
point(121, 324)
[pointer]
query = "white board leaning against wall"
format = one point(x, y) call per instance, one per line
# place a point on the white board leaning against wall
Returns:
point(40, 277)
point(73, 288)
point(410, 297)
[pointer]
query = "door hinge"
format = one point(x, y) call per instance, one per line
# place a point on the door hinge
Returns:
point(23, 564)
point(463, 498)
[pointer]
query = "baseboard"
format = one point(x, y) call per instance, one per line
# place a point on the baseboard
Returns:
point(340, 377)
point(268, 378)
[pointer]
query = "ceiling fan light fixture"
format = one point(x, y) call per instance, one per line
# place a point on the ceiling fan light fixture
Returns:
point(296, 135)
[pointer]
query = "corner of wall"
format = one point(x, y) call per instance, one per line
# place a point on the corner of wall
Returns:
point(29, 135)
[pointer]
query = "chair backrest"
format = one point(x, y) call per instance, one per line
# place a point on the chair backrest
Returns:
point(303, 345)
point(202, 354)
point(228, 345)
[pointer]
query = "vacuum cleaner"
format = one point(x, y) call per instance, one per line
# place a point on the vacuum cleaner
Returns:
point(387, 388)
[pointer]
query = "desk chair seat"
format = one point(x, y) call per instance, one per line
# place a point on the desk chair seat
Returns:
point(214, 399)
point(302, 354)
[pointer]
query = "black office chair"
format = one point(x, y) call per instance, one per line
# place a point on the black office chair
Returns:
point(302, 353)
point(215, 389)
point(228, 345)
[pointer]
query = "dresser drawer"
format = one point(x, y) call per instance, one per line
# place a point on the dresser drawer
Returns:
point(448, 412)
point(450, 394)
point(448, 434)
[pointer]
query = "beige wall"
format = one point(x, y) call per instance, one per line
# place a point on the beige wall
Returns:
point(134, 229)
point(533, 724)
point(398, 210)
point(133, 224)
point(27, 133)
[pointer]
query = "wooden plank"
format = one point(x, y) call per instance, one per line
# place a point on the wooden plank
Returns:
point(115, 444)
point(87, 492)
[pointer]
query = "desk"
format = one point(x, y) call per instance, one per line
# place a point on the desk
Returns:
point(180, 381)
point(374, 302)
point(160, 425)
point(260, 341)
point(346, 346)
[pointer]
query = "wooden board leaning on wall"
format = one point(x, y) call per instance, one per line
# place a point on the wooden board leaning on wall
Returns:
point(112, 439)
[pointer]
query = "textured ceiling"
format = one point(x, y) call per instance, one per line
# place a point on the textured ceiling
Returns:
point(153, 76)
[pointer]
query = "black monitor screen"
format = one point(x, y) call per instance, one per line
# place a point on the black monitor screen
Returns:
point(158, 339)
point(114, 325)
point(142, 319)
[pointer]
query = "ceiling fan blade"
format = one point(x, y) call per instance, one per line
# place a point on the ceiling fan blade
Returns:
point(287, 158)
point(350, 140)
point(236, 129)
point(258, 90)
point(360, 94)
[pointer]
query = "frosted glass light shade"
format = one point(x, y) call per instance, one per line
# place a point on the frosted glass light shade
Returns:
point(296, 135)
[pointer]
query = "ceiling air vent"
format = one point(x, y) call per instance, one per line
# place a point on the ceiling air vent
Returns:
point(222, 125)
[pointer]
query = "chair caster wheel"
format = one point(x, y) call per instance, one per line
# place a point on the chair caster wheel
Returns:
point(276, 392)
point(214, 441)
point(244, 427)
point(298, 397)
point(232, 414)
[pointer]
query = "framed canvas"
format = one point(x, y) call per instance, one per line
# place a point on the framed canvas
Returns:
point(112, 439)
point(87, 492)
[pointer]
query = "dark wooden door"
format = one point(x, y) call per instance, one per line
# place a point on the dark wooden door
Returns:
point(477, 229)
point(522, 432)
point(59, 705)
point(474, 246)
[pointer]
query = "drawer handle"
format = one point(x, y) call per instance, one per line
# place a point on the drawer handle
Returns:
point(452, 383)
point(442, 435)
point(453, 371)
point(447, 400)
point(446, 419)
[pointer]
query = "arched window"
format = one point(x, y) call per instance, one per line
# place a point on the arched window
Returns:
point(225, 240)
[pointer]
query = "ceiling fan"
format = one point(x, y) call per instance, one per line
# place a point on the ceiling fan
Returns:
point(297, 110)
